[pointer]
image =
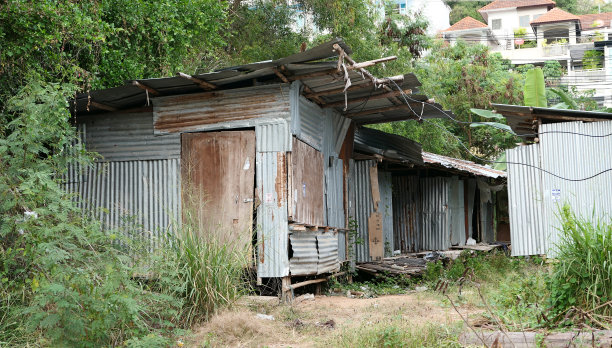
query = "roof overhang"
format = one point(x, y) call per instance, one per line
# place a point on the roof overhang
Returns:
point(324, 71)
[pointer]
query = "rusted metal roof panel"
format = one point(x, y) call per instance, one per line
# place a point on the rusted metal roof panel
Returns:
point(272, 229)
point(126, 137)
point(388, 145)
point(462, 165)
point(220, 109)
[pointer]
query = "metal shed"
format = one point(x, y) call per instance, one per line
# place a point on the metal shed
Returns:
point(269, 144)
point(411, 201)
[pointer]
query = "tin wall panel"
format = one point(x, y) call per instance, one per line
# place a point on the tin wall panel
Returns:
point(127, 137)
point(131, 195)
point(273, 137)
point(386, 209)
point(525, 201)
point(327, 246)
point(456, 211)
point(406, 214)
point(363, 206)
point(307, 118)
point(220, 109)
point(272, 229)
point(305, 260)
point(435, 213)
point(575, 157)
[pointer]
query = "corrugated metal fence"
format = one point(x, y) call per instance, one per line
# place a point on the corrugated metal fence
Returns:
point(535, 197)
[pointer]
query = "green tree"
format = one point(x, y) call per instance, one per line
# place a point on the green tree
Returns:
point(461, 9)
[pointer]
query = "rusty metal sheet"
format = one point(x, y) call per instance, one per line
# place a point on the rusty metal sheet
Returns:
point(327, 246)
point(406, 214)
point(307, 184)
point(193, 112)
point(218, 170)
point(305, 258)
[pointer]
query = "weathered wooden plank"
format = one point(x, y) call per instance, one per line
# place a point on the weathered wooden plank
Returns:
point(307, 184)
point(375, 233)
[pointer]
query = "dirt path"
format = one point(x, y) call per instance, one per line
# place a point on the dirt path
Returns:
point(315, 322)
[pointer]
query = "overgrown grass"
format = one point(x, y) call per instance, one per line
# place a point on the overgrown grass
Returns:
point(582, 277)
point(398, 333)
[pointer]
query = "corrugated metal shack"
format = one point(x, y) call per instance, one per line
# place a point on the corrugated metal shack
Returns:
point(410, 201)
point(558, 146)
point(268, 143)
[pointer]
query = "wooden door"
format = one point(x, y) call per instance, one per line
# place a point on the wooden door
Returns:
point(218, 170)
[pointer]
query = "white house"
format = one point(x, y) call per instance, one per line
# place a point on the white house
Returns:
point(436, 12)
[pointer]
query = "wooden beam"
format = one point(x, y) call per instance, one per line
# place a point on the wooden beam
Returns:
point(367, 98)
point(145, 87)
point(314, 74)
point(281, 76)
point(371, 63)
point(306, 88)
point(102, 106)
point(339, 90)
point(203, 84)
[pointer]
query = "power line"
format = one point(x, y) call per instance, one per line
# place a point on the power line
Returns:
point(405, 96)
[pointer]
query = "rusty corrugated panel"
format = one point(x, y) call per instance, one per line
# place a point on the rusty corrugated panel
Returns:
point(126, 137)
point(308, 184)
point(435, 213)
point(305, 258)
point(307, 118)
point(363, 206)
point(220, 109)
point(131, 195)
point(407, 214)
point(327, 246)
point(272, 229)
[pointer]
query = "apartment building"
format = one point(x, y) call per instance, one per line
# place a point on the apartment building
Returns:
point(536, 31)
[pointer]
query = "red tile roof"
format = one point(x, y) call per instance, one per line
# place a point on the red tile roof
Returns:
point(555, 15)
point(497, 4)
point(466, 23)
point(595, 20)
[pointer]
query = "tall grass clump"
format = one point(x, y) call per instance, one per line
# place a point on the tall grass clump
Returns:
point(582, 277)
point(203, 265)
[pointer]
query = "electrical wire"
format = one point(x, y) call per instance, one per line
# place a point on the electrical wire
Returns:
point(488, 160)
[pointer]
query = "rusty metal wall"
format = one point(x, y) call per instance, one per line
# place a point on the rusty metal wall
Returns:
point(127, 137)
point(131, 195)
point(272, 229)
point(235, 108)
point(435, 213)
point(536, 197)
point(386, 209)
point(273, 137)
point(364, 206)
point(406, 214)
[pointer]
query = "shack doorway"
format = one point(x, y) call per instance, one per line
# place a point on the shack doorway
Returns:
point(218, 175)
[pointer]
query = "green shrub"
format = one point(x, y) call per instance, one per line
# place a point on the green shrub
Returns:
point(582, 277)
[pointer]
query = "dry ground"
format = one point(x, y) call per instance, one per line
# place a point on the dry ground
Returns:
point(322, 321)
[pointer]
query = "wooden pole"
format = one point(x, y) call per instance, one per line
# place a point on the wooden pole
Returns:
point(203, 84)
point(339, 90)
point(102, 106)
point(145, 87)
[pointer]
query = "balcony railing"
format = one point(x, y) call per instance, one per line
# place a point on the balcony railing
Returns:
point(555, 50)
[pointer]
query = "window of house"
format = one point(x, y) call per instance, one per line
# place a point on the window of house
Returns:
point(496, 24)
point(524, 21)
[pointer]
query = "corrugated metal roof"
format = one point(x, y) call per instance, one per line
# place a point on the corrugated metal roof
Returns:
point(520, 118)
point(391, 146)
point(326, 79)
point(462, 165)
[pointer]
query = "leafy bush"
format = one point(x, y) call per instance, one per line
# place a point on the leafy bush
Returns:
point(582, 277)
